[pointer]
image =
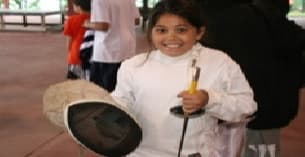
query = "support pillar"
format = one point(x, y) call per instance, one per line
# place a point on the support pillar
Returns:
point(6, 3)
point(70, 7)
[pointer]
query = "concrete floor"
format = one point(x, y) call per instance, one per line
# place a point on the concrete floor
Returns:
point(29, 63)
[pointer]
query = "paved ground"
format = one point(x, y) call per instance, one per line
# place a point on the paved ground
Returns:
point(299, 20)
point(29, 63)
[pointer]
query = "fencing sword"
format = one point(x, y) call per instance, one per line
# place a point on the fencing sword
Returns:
point(178, 110)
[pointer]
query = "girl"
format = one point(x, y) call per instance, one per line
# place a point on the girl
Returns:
point(150, 84)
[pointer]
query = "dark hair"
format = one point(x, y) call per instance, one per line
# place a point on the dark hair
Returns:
point(190, 10)
point(83, 4)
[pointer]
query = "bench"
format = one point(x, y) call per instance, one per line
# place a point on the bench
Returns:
point(24, 13)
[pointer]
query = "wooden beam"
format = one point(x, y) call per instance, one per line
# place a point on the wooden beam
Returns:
point(70, 7)
point(6, 3)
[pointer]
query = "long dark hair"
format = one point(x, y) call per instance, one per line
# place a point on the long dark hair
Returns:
point(83, 4)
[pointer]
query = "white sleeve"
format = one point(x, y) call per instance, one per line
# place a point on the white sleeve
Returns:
point(234, 102)
point(100, 11)
point(123, 91)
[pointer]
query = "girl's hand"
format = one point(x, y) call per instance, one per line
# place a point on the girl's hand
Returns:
point(195, 101)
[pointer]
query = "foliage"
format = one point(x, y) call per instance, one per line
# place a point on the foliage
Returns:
point(298, 5)
point(150, 4)
point(24, 4)
point(16, 4)
point(296, 13)
point(34, 4)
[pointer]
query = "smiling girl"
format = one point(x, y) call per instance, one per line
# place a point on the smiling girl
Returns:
point(150, 84)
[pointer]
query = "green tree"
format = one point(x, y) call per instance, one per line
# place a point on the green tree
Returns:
point(34, 4)
point(16, 4)
point(28, 4)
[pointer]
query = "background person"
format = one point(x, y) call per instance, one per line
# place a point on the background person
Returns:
point(114, 24)
point(268, 47)
point(74, 31)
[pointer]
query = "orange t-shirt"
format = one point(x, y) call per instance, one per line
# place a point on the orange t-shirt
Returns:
point(74, 29)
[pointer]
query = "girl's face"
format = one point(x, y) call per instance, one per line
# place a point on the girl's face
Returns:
point(174, 35)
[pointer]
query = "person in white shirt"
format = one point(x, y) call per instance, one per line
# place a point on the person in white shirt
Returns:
point(150, 84)
point(114, 23)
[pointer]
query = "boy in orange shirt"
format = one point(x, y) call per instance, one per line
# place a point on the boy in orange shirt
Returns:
point(75, 31)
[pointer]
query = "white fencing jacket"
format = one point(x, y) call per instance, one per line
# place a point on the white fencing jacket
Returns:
point(148, 85)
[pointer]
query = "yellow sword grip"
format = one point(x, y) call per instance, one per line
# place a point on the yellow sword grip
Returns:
point(195, 78)
point(193, 87)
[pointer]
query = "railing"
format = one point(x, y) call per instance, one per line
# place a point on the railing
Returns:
point(25, 14)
